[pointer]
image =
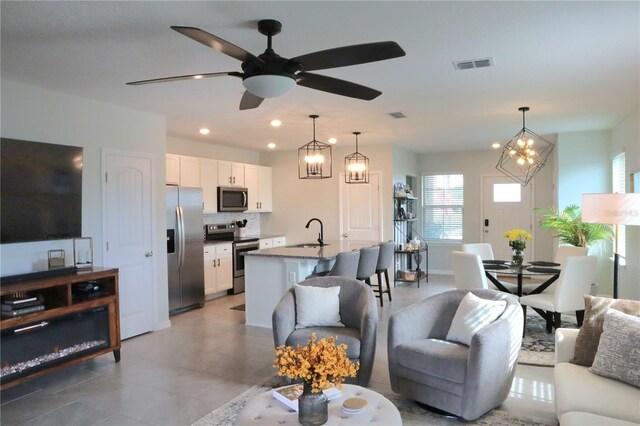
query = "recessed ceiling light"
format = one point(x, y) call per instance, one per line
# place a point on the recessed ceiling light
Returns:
point(197, 77)
point(276, 123)
point(332, 140)
point(495, 145)
point(204, 131)
point(271, 145)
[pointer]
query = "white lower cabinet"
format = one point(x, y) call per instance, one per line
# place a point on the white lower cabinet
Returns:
point(279, 241)
point(218, 268)
point(272, 242)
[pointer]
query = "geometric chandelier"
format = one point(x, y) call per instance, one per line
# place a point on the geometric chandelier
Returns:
point(314, 158)
point(525, 154)
point(356, 166)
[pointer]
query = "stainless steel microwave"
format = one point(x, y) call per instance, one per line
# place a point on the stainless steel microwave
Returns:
point(232, 199)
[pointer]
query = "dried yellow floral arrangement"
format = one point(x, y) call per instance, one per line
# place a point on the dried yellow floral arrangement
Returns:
point(320, 363)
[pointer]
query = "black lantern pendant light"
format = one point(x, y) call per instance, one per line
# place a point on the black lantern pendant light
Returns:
point(314, 158)
point(356, 166)
point(525, 154)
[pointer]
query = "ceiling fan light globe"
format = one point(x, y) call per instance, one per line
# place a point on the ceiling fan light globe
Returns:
point(269, 85)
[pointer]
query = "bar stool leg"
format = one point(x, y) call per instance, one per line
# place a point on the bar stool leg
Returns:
point(380, 292)
point(386, 276)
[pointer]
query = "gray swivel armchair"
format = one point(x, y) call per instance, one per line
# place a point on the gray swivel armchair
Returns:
point(358, 312)
point(466, 381)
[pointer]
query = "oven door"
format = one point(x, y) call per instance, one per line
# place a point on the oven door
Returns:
point(238, 258)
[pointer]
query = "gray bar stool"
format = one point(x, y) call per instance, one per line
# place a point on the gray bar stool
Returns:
point(367, 264)
point(346, 264)
point(385, 261)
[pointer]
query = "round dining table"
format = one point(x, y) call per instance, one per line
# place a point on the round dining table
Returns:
point(536, 269)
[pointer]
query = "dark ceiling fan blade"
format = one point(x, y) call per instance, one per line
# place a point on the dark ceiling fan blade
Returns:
point(250, 101)
point(185, 77)
point(350, 55)
point(336, 86)
point(216, 43)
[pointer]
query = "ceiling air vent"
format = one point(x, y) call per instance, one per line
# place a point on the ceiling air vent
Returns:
point(473, 63)
point(397, 115)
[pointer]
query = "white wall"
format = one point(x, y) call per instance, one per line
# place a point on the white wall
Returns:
point(584, 165)
point(626, 137)
point(39, 115)
point(295, 200)
point(474, 165)
point(208, 150)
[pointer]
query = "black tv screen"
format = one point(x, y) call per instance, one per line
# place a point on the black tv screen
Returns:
point(40, 191)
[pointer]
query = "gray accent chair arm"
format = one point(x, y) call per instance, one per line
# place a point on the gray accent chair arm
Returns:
point(367, 311)
point(283, 319)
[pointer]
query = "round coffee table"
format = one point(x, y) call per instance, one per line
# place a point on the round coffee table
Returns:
point(266, 410)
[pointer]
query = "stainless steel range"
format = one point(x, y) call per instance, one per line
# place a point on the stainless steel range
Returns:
point(228, 232)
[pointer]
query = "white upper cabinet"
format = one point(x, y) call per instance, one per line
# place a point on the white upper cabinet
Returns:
point(209, 184)
point(172, 169)
point(230, 174)
point(189, 171)
point(258, 182)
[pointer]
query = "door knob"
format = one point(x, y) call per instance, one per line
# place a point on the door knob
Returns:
point(345, 235)
point(148, 254)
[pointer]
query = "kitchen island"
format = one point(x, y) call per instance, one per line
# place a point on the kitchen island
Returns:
point(269, 273)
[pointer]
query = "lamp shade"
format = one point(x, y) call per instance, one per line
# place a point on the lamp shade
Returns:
point(612, 209)
point(269, 85)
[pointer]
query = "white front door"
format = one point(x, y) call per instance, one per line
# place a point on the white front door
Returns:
point(128, 219)
point(506, 205)
point(361, 210)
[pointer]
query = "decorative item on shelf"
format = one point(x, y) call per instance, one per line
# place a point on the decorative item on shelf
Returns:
point(518, 242)
point(55, 258)
point(525, 154)
point(612, 209)
point(319, 364)
point(83, 252)
point(314, 158)
point(356, 166)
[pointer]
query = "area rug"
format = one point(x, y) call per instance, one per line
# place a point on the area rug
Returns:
point(538, 346)
point(411, 413)
point(238, 308)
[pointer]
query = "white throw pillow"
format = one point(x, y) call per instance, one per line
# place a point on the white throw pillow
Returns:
point(317, 306)
point(473, 314)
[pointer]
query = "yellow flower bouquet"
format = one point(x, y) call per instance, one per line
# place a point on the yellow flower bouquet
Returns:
point(518, 242)
point(319, 364)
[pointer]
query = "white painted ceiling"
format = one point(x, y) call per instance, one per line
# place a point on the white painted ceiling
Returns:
point(576, 64)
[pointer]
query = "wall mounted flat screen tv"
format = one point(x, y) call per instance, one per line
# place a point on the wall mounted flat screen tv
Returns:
point(40, 191)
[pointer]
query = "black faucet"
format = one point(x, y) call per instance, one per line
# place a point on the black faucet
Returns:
point(321, 234)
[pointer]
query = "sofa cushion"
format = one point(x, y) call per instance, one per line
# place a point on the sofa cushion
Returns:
point(472, 315)
point(589, 335)
point(577, 389)
point(348, 336)
point(434, 357)
point(574, 418)
point(317, 306)
point(618, 355)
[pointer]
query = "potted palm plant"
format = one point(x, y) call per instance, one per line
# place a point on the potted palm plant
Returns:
point(569, 228)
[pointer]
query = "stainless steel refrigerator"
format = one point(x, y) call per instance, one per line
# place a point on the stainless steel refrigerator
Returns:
point(185, 248)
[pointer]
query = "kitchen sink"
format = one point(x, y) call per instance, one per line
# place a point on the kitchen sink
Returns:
point(307, 245)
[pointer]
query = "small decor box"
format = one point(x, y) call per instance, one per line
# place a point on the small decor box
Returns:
point(288, 395)
point(408, 275)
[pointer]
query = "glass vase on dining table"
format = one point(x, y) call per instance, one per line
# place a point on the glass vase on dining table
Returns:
point(517, 257)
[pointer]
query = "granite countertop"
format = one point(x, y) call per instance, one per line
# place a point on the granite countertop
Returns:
point(326, 252)
point(262, 236)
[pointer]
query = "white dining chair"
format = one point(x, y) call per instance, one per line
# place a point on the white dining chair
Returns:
point(468, 270)
point(565, 251)
point(574, 282)
point(485, 251)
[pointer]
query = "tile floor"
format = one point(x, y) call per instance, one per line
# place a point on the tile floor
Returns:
point(208, 356)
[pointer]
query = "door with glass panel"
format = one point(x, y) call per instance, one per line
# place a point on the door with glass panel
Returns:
point(506, 205)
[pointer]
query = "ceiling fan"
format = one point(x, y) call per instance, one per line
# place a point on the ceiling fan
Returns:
point(269, 75)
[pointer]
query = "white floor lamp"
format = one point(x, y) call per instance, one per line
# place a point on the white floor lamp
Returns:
point(612, 209)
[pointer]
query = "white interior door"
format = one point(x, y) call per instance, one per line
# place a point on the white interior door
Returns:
point(128, 219)
point(361, 210)
point(506, 205)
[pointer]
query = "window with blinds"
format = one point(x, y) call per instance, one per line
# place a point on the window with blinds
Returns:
point(442, 204)
point(619, 186)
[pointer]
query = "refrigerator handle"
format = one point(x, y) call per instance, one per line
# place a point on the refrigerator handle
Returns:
point(181, 236)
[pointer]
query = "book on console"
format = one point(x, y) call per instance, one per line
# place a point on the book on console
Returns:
point(10, 300)
point(14, 307)
point(288, 395)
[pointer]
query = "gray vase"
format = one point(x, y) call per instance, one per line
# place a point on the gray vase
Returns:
point(313, 408)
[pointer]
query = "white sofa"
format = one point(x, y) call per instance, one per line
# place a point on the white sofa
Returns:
point(584, 398)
